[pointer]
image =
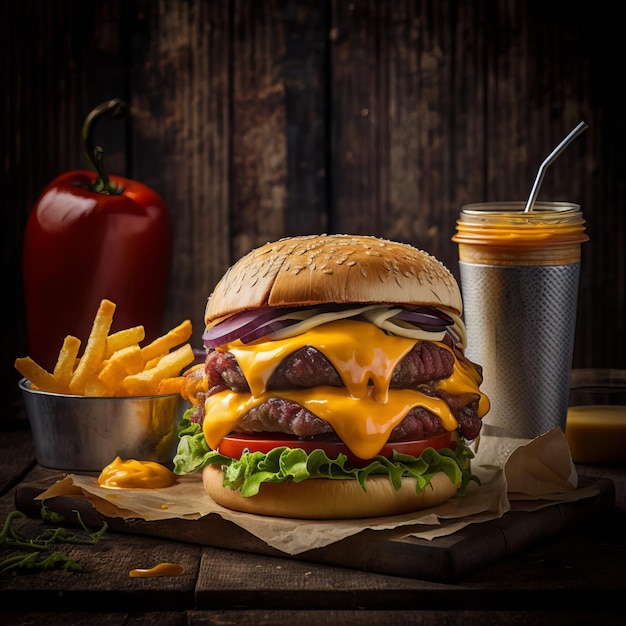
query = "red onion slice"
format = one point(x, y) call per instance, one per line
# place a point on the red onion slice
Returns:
point(266, 329)
point(425, 318)
point(238, 325)
point(245, 324)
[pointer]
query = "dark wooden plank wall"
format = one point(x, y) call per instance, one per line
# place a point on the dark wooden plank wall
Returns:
point(257, 119)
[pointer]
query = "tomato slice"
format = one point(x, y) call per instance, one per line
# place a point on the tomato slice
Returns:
point(234, 445)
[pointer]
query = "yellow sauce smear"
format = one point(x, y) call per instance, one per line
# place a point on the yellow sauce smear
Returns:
point(132, 474)
point(162, 569)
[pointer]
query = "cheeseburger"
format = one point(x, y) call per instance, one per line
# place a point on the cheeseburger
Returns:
point(335, 384)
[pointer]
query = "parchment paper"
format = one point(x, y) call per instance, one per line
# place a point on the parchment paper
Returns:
point(515, 475)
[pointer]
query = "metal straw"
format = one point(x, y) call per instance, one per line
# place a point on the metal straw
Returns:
point(544, 166)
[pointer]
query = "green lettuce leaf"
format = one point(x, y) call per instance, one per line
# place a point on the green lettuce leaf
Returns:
point(193, 451)
point(283, 463)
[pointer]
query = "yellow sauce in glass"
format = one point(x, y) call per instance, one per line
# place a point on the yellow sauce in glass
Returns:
point(132, 474)
point(503, 234)
point(597, 433)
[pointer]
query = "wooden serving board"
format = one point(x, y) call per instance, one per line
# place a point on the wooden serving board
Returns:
point(445, 559)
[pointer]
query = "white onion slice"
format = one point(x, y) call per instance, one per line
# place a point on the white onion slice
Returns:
point(316, 319)
point(381, 317)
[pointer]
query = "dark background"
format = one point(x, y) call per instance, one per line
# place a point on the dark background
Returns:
point(257, 119)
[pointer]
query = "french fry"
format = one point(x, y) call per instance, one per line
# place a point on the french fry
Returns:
point(154, 361)
point(146, 382)
point(115, 364)
point(129, 358)
point(188, 385)
point(66, 362)
point(95, 387)
point(171, 339)
point(170, 385)
point(121, 364)
point(123, 339)
point(38, 376)
point(112, 375)
point(91, 360)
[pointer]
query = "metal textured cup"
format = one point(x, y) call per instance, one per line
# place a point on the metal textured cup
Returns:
point(519, 279)
point(85, 434)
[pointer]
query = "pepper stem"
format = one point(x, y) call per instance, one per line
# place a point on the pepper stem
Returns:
point(95, 154)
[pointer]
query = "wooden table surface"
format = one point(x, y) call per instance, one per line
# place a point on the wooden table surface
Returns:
point(572, 578)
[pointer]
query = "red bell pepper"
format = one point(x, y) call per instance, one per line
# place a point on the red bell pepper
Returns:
point(89, 237)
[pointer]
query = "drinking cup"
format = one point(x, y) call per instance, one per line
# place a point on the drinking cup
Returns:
point(519, 280)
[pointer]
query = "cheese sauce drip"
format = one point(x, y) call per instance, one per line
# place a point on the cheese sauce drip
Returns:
point(162, 569)
point(132, 474)
point(362, 414)
point(465, 379)
point(372, 355)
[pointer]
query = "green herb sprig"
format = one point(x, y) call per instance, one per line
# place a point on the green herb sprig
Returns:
point(34, 553)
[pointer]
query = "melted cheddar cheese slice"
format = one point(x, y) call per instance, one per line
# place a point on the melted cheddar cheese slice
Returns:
point(365, 411)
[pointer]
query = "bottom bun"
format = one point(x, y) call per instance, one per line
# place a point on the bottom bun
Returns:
point(323, 498)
